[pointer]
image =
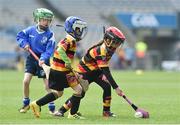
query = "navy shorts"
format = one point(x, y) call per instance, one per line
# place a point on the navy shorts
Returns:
point(33, 67)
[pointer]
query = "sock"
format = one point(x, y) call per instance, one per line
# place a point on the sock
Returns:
point(75, 107)
point(51, 106)
point(46, 99)
point(26, 101)
point(106, 103)
point(66, 106)
point(75, 104)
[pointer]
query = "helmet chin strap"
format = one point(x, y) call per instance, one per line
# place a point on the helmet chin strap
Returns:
point(109, 48)
point(41, 28)
point(108, 45)
point(77, 39)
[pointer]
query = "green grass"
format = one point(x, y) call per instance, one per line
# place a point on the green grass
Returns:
point(157, 92)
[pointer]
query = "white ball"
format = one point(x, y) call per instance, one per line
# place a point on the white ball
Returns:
point(138, 115)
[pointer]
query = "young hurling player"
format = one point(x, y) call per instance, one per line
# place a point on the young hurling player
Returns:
point(41, 40)
point(61, 75)
point(94, 68)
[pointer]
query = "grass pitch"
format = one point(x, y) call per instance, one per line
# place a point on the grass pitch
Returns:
point(157, 92)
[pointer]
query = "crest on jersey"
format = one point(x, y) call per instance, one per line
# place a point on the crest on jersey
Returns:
point(44, 39)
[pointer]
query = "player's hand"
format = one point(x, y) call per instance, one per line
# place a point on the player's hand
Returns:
point(119, 91)
point(41, 62)
point(68, 65)
point(26, 48)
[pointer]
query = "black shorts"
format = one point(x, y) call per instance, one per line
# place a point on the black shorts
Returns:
point(57, 80)
point(33, 67)
point(92, 76)
point(96, 76)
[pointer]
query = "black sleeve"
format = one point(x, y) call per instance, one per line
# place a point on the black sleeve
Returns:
point(109, 77)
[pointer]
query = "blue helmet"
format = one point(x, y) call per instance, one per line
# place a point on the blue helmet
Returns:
point(75, 27)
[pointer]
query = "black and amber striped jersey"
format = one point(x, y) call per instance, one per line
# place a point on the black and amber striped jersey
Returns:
point(96, 58)
point(69, 46)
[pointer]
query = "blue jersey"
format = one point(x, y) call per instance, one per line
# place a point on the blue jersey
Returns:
point(42, 43)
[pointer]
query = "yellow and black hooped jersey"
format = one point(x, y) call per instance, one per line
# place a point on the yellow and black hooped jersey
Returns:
point(96, 58)
point(69, 46)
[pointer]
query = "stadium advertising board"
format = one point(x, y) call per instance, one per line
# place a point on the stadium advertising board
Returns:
point(148, 20)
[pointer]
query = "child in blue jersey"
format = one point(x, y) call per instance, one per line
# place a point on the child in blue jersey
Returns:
point(41, 40)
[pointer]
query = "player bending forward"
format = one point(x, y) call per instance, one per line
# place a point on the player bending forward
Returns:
point(61, 76)
point(94, 68)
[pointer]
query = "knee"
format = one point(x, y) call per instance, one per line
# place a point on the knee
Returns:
point(57, 94)
point(60, 93)
point(79, 96)
point(26, 82)
point(80, 93)
point(78, 90)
